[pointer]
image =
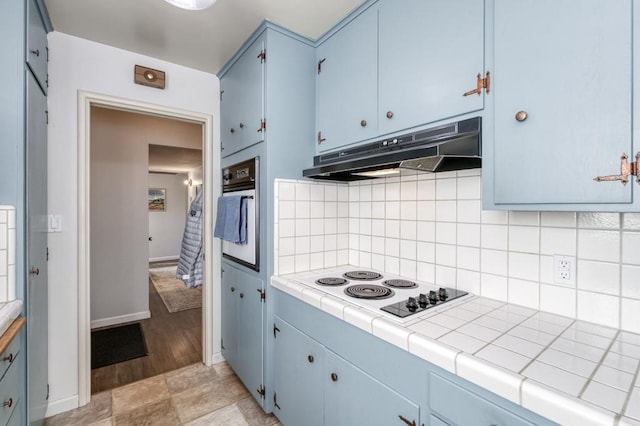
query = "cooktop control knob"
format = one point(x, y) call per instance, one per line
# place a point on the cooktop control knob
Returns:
point(422, 300)
point(433, 297)
point(442, 294)
point(412, 304)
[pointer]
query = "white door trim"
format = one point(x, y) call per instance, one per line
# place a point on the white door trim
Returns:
point(211, 252)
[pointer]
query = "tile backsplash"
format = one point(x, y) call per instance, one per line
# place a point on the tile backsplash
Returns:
point(432, 228)
point(7, 253)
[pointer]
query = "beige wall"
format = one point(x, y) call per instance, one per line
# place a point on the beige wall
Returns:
point(167, 227)
point(119, 214)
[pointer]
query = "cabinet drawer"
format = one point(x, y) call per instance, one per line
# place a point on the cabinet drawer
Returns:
point(8, 357)
point(36, 55)
point(10, 391)
point(461, 407)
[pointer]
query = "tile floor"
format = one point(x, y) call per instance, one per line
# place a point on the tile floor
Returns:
point(195, 395)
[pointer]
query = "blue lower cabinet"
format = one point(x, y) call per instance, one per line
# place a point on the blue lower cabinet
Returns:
point(435, 421)
point(352, 397)
point(10, 390)
point(298, 365)
point(314, 386)
point(229, 305)
point(461, 407)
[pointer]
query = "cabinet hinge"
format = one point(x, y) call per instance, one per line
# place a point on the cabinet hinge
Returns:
point(47, 398)
point(47, 254)
point(222, 344)
point(626, 169)
point(320, 138)
point(263, 56)
point(46, 115)
point(263, 295)
point(221, 93)
point(262, 392)
point(263, 125)
point(275, 401)
point(320, 62)
point(275, 330)
point(221, 272)
point(481, 83)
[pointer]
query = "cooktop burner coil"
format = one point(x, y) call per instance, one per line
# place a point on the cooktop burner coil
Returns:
point(331, 281)
point(362, 275)
point(368, 291)
point(398, 283)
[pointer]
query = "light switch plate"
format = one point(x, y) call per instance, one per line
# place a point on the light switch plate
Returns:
point(54, 223)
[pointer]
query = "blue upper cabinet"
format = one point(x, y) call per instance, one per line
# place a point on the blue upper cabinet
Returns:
point(37, 53)
point(562, 105)
point(399, 65)
point(347, 83)
point(430, 53)
point(242, 105)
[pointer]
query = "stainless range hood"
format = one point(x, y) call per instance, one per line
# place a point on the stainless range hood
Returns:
point(455, 146)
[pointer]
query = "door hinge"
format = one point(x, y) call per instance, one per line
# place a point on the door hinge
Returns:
point(275, 401)
point(481, 83)
point(47, 254)
point(263, 295)
point(263, 56)
point(626, 169)
point(263, 125)
point(320, 62)
point(262, 392)
point(320, 138)
point(275, 330)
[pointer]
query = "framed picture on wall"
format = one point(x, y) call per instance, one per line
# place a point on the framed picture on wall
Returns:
point(157, 199)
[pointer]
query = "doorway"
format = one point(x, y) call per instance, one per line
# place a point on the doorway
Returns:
point(209, 331)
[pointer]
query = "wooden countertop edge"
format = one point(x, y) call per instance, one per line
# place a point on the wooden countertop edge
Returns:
point(13, 330)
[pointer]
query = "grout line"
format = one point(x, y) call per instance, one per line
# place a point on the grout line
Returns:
point(604, 355)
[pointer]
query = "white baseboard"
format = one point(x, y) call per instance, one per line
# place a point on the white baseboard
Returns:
point(120, 319)
point(61, 405)
point(164, 258)
point(217, 358)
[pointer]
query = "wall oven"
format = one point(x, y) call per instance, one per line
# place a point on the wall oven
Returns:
point(242, 179)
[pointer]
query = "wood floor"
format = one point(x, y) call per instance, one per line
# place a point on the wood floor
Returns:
point(173, 341)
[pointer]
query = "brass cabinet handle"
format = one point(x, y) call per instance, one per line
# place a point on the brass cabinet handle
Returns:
point(150, 238)
point(35, 52)
point(320, 138)
point(310, 358)
point(241, 295)
point(406, 421)
point(8, 358)
point(35, 271)
point(363, 123)
point(233, 289)
point(334, 377)
point(242, 125)
point(8, 403)
point(521, 116)
point(389, 114)
point(232, 130)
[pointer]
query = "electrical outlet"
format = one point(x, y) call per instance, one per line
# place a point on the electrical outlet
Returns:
point(564, 269)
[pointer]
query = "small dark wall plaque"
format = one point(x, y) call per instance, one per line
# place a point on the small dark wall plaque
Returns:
point(149, 77)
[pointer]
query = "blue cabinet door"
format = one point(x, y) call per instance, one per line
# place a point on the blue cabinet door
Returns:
point(36, 292)
point(430, 55)
point(352, 397)
point(347, 83)
point(229, 308)
point(566, 67)
point(37, 54)
point(250, 337)
point(298, 363)
point(242, 107)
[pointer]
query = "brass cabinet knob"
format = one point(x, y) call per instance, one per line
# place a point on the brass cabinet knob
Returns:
point(8, 403)
point(334, 377)
point(241, 295)
point(35, 271)
point(521, 116)
point(389, 114)
point(35, 52)
point(363, 123)
point(242, 125)
point(232, 130)
point(310, 358)
point(8, 358)
point(233, 289)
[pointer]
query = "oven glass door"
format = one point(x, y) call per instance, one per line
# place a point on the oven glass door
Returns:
point(245, 254)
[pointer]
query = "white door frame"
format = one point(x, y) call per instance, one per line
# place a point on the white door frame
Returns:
point(212, 253)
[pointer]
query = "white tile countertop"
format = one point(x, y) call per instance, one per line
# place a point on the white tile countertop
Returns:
point(570, 371)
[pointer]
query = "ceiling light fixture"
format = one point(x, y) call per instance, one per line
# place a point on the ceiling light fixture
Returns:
point(192, 4)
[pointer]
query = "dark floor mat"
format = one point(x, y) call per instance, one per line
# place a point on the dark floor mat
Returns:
point(117, 344)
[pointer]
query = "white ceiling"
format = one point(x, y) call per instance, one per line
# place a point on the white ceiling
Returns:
point(203, 40)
